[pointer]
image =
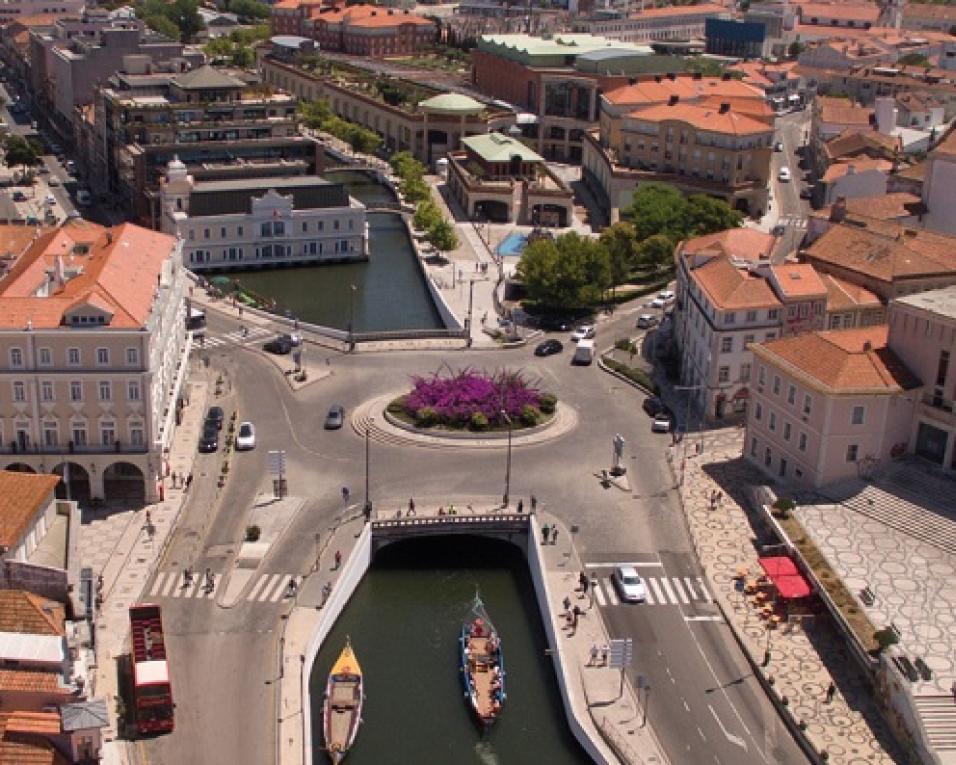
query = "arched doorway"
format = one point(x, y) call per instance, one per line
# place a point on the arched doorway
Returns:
point(125, 482)
point(20, 467)
point(492, 210)
point(75, 484)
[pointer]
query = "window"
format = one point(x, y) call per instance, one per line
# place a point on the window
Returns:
point(222, 232)
point(73, 357)
point(19, 392)
point(802, 442)
point(132, 390)
point(773, 313)
point(106, 390)
point(107, 433)
point(102, 356)
point(776, 385)
point(791, 394)
point(305, 226)
point(726, 344)
point(239, 231)
point(851, 452)
point(751, 316)
point(782, 469)
point(786, 431)
point(730, 318)
point(762, 375)
point(51, 433)
point(857, 417)
point(773, 421)
point(46, 357)
point(205, 233)
point(132, 357)
point(767, 457)
point(748, 339)
point(723, 374)
point(753, 447)
point(46, 390)
point(835, 321)
point(769, 336)
point(16, 358)
point(941, 368)
point(78, 432)
point(807, 403)
point(745, 373)
point(76, 391)
point(758, 412)
point(266, 229)
point(136, 433)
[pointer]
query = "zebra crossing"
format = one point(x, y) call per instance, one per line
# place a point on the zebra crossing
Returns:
point(661, 591)
point(266, 588)
point(235, 338)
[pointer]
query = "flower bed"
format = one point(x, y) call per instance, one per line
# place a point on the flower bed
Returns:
point(474, 400)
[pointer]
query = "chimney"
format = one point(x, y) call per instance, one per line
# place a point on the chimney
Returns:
point(673, 99)
point(698, 75)
point(657, 78)
point(838, 210)
point(59, 277)
point(724, 108)
point(851, 169)
point(671, 76)
point(109, 237)
point(867, 346)
point(725, 76)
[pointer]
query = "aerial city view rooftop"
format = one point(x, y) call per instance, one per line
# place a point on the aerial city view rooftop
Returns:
point(478, 382)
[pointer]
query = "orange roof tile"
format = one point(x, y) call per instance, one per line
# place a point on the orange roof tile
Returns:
point(898, 204)
point(742, 243)
point(798, 280)
point(843, 111)
point(680, 10)
point(22, 611)
point(22, 496)
point(685, 87)
point(732, 288)
point(842, 361)
point(752, 107)
point(843, 295)
point(18, 748)
point(38, 723)
point(703, 118)
point(14, 240)
point(847, 11)
point(364, 15)
point(839, 169)
point(31, 681)
point(862, 140)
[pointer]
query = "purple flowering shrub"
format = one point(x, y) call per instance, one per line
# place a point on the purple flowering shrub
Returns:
point(457, 397)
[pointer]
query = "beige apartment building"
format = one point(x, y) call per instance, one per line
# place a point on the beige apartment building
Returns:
point(93, 358)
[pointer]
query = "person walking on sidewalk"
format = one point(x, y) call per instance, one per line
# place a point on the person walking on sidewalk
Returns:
point(554, 534)
point(544, 533)
point(520, 506)
point(411, 506)
point(592, 660)
point(831, 692)
point(338, 559)
point(534, 503)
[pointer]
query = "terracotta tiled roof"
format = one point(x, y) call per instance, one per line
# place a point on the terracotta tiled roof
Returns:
point(798, 280)
point(842, 111)
point(38, 723)
point(898, 204)
point(843, 295)
point(31, 681)
point(929, 11)
point(743, 243)
point(646, 92)
point(947, 145)
point(680, 10)
point(37, 20)
point(752, 107)
point(847, 11)
point(117, 268)
point(915, 172)
point(842, 361)
point(15, 239)
point(25, 748)
point(839, 169)
point(703, 118)
point(731, 288)
point(363, 15)
point(22, 611)
point(22, 496)
point(885, 251)
point(859, 140)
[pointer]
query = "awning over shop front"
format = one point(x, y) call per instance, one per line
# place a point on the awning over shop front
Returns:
point(789, 582)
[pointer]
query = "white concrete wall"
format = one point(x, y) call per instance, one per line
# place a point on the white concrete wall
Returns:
point(939, 196)
point(869, 183)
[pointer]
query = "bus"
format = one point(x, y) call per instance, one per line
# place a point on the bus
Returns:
point(152, 691)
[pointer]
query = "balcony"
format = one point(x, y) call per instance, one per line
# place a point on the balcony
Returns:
point(941, 409)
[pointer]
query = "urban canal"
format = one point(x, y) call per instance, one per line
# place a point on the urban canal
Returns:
point(390, 292)
point(403, 621)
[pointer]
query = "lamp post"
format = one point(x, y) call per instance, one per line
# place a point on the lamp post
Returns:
point(505, 499)
point(368, 499)
point(351, 315)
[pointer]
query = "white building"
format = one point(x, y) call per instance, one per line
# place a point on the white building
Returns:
point(12, 9)
point(939, 187)
point(93, 358)
point(261, 222)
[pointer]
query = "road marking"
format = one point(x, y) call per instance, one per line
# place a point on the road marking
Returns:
point(209, 592)
point(197, 585)
point(711, 618)
point(636, 564)
point(689, 584)
point(611, 593)
point(732, 738)
point(658, 594)
point(258, 585)
point(175, 580)
point(269, 581)
point(159, 585)
point(648, 595)
point(705, 593)
point(599, 596)
point(267, 591)
point(283, 592)
point(680, 591)
point(667, 588)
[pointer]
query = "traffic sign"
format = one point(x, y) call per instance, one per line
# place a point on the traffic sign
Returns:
point(277, 462)
point(620, 653)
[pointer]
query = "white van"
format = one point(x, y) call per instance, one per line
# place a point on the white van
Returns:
point(584, 353)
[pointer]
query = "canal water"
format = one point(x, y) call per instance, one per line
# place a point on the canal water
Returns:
point(404, 619)
point(390, 291)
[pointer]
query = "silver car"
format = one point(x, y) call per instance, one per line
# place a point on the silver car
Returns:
point(246, 440)
point(629, 584)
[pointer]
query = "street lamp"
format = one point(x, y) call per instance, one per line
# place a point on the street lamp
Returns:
point(368, 498)
point(351, 315)
point(506, 497)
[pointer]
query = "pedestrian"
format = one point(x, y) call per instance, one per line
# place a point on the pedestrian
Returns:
point(604, 476)
point(604, 652)
point(592, 660)
point(367, 511)
point(574, 620)
point(240, 310)
point(149, 519)
point(345, 493)
point(544, 533)
point(831, 691)
point(520, 505)
point(338, 559)
point(189, 480)
point(566, 603)
point(953, 690)
point(720, 498)
point(554, 534)
point(174, 480)
point(534, 503)
point(583, 582)
point(326, 591)
point(290, 589)
point(411, 507)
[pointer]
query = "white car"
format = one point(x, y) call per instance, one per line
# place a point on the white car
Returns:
point(246, 439)
point(629, 584)
point(784, 175)
point(49, 200)
point(584, 332)
point(646, 321)
point(662, 423)
point(663, 299)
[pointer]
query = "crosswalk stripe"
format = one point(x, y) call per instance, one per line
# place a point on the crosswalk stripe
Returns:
point(158, 585)
point(174, 581)
point(208, 593)
point(611, 592)
point(257, 586)
point(648, 595)
point(680, 591)
point(599, 596)
point(703, 588)
point(666, 585)
point(280, 592)
point(658, 593)
point(273, 580)
point(689, 584)
point(194, 591)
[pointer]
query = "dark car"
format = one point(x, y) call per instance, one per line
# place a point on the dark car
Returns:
point(556, 323)
point(209, 441)
point(280, 346)
point(335, 418)
point(549, 348)
point(215, 416)
point(806, 192)
point(653, 405)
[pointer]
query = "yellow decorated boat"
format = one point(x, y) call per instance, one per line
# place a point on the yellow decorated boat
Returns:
point(342, 709)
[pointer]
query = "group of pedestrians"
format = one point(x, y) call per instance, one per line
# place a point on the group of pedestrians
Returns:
point(181, 480)
point(549, 534)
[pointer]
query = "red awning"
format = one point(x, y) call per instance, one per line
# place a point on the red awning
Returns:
point(789, 582)
point(741, 394)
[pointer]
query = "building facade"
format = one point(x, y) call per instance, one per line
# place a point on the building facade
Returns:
point(675, 22)
point(264, 222)
point(737, 38)
point(93, 358)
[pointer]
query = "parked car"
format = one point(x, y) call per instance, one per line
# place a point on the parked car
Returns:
point(295, 339)
point(52, 180)
point(549, 348)
point(280, 346)
point(335, 418)
point(246, 439)
point(646, 321)
point(629, 584)
point(584, 332)
point(19, 196)
point(49, 200)
point(784, 175)
point(215, 416)
point(83, 197)
point(662, 422)
point(209, 440)
point(652, 405)
point(806, 192)
point(70, 166)
point(778, 146)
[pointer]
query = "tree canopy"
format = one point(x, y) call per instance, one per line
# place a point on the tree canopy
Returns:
point(620, 241)
point(318, 115)
point(662, 209)
point(19, 151)
point(248, 9)
point(183, 15)
point(567, 272)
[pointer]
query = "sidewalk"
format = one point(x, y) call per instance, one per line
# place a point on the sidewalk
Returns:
point(119, 547)
point(613, 722)
point(805, 655)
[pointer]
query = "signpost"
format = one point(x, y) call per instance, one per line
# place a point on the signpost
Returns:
point(620, 653)
point(277, 468)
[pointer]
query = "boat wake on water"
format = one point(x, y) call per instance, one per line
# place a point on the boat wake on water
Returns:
point(486, 753)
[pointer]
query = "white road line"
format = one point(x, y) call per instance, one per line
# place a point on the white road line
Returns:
point(636, 564)
point(267, 590)
point(703, 589)
point(196, 588)
point(658, 593)
point(599, 596)
point(611, 593)
point(703, 618)
point(648, 595)
point(689, 584)
point(159, 585)
point(258, 585)
point(671, 598)
point(680, 591)
point(175, 579)
point(282, 591)
point(211, 592)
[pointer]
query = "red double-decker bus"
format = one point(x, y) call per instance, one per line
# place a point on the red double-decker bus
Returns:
point(152, 691)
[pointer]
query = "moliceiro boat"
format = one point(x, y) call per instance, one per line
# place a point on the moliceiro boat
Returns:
point(342, 709)
point(482, 665)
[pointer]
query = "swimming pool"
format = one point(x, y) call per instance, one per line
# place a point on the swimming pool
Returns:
point(513, 245)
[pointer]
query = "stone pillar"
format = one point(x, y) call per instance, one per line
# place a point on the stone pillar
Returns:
point(461, 131)
point(426, 147)
point(97, 488)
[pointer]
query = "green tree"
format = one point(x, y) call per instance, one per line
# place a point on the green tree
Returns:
point(185, 15)
point(163, 17)
point(404, 165)
point(796, 48)
point(314, 113)
point(19, 151)
point(414, 190)
point(657, 208)
point(427, 215)
point(442, 234)
point(706, 215)
point(568, 272)
point(913, 59)
point(656, 252)
point(249, 9)
point(620, 241)
point(163, 25)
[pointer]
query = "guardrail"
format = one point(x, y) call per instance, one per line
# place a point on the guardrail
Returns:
point(498, 520)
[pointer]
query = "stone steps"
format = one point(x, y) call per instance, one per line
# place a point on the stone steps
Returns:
point(938, 714)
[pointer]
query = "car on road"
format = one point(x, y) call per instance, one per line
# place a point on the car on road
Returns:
point(279, 346)
point(584, 332)
point(19, 196)
point(83, 197)
point(779, 230)
point(74, 215)
point(209, 440)
point(629, 585)
point(653, 405)
point(215, 416)
point(52, 180)
point(664, 298)
point(70, 166)
point(662, 422)
point(295, 338)
point(646, 321)
point(49, 200)
point(246, 439)
point(549, 348)
point(784, 175)
point(778, 146)
point(335, 418)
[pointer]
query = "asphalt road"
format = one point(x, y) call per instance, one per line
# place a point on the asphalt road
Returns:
point(704, 705)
